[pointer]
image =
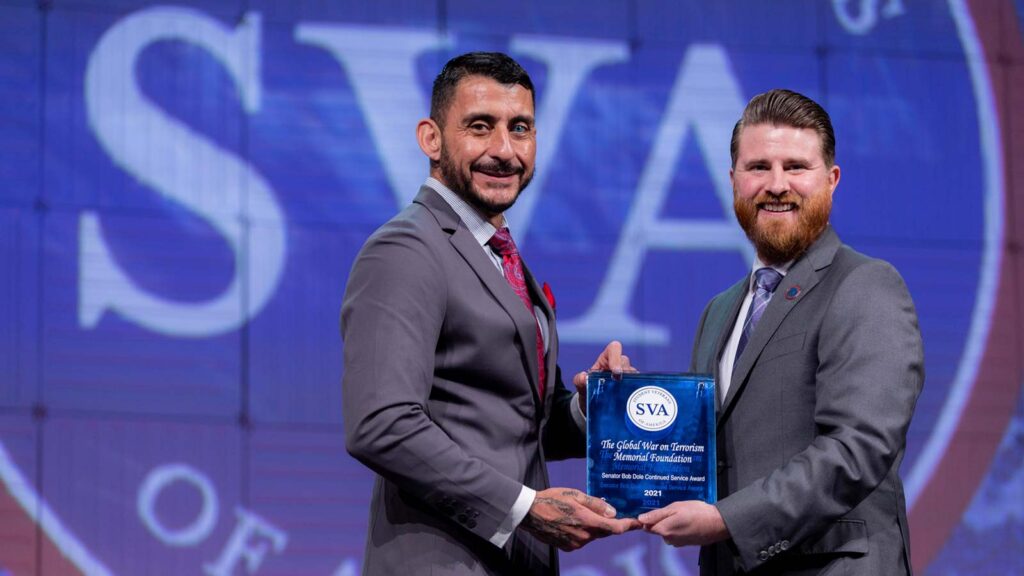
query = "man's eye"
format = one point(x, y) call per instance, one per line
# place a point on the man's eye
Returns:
point(479, 127)
point(520, 128)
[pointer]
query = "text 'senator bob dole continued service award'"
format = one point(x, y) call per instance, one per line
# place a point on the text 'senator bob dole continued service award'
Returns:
point(650, 440)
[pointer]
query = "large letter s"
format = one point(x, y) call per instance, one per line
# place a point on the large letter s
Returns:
point(184, 166)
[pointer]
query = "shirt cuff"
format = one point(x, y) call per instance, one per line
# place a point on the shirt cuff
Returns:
point(577, 412)
point(519, 511)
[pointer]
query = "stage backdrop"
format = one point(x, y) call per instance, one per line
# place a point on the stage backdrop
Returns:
point(183, 188)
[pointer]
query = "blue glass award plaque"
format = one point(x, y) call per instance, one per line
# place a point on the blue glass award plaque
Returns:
point(650, 440)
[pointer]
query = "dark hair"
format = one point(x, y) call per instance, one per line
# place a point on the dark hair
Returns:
point(495, 65)
point(787, 108)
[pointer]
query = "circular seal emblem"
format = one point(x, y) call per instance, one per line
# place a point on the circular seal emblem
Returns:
point(651, 408)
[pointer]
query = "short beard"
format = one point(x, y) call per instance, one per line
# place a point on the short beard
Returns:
point(777, 245)
point(463, 187)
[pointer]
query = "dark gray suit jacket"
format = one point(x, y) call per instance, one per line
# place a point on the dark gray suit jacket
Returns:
point(440, 398)
point(813, 429)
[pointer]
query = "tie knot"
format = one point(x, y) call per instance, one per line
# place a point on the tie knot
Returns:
point(767, 279)
point(502, 243)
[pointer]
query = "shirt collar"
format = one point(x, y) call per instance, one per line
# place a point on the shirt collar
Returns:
point(758, 264)
point(478, 226)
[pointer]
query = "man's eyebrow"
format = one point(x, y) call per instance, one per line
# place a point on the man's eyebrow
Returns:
point(525, 118)
point(473, 117)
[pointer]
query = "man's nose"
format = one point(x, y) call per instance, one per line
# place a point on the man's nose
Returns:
point(501, 145)
point(779, 184)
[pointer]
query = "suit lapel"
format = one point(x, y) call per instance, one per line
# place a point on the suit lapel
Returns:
point(732, 300)
point(466, 245)
point(801, 279)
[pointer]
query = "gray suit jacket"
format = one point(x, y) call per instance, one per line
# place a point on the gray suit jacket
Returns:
point(813, 429)
point(440, 398)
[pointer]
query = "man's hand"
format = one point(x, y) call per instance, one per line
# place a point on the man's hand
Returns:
point(569, 519)
point(611, 359)
point(689, 523)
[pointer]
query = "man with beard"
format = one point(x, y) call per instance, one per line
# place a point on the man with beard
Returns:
point(451, 390)
point(819, 363)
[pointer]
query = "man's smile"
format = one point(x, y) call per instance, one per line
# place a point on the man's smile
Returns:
point(777, 206)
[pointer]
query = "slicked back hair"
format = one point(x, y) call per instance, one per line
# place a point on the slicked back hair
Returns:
point(781, 107)
point(494, 65)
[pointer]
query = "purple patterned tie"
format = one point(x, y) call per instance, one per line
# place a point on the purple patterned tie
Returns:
point(766, 280)
point(502, 243)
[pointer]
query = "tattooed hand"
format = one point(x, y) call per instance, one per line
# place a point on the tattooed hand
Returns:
point(569, 519)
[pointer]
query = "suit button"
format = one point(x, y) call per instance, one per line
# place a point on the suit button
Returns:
point(784, 545)
point(462, 518)
point(762, 555)
point(471, 523)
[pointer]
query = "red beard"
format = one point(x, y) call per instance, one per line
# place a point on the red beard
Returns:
point(781, 242)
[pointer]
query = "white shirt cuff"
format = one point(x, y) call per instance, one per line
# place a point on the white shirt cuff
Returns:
point(519, 511)
point(577, 412)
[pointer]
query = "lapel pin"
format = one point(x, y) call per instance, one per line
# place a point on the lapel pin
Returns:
point(793, 292)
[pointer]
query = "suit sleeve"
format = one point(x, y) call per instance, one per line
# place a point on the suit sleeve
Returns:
point(870, 372)
point(391, 319)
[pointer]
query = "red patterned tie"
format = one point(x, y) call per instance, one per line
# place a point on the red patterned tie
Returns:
point(502, 243)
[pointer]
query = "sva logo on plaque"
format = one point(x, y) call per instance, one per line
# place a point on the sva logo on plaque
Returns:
point(651, 409)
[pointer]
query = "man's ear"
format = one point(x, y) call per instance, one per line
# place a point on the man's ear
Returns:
point(833, 178)
point(428, 135)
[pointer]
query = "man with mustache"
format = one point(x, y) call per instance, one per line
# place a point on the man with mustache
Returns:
point(451, 390)
point(819, 363)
